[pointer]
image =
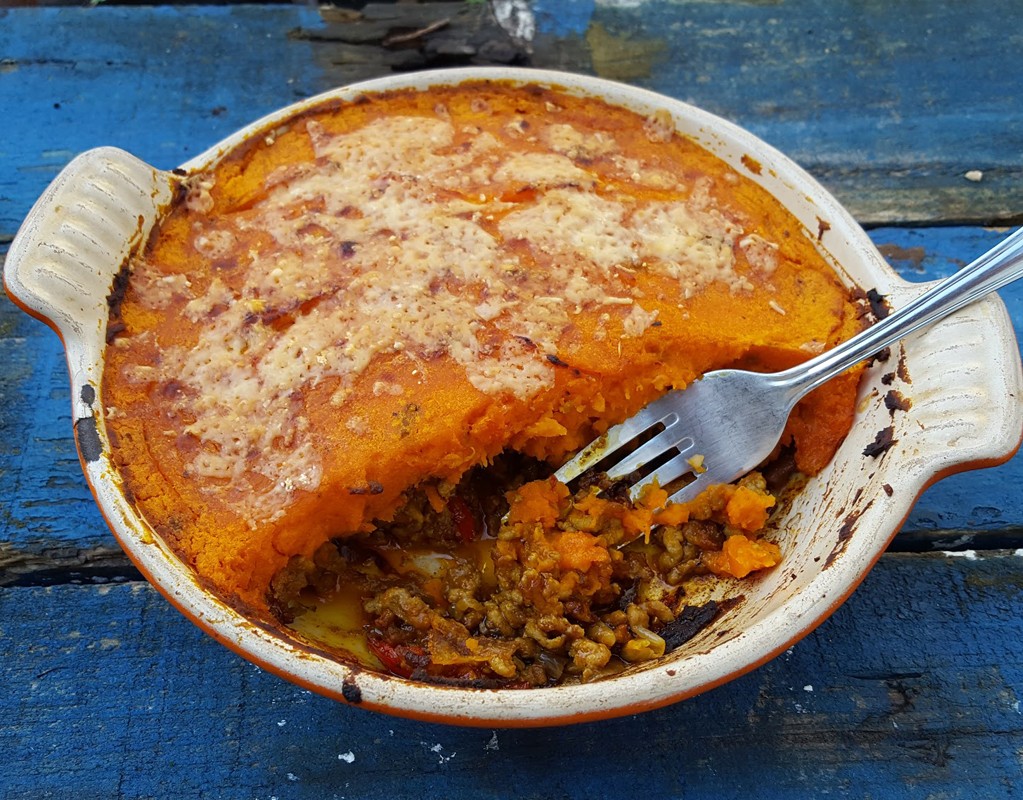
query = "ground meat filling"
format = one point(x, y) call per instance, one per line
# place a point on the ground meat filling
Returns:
point(509, 579)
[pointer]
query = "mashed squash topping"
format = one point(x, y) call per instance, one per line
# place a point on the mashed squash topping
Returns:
point(342, 318)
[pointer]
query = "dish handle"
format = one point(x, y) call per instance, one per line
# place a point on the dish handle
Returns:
point(62, 263)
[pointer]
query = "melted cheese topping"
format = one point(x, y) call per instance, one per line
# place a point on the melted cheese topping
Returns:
point(382, 249)
point(424, 273)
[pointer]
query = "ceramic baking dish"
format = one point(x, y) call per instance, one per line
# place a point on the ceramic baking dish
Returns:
point(962, 379)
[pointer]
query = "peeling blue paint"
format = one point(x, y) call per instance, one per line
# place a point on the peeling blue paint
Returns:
point(563, 18)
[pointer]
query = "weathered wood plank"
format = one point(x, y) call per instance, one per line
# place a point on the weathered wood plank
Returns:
point(164, 83)
point(911, 690)
point(888, 104)
point(889, 107)
point(46, 501)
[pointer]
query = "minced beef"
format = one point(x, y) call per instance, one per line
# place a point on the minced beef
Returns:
point(562, 587)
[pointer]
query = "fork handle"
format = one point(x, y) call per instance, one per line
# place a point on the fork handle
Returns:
point(999, 266)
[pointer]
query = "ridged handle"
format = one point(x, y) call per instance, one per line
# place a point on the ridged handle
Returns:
point(62, 263)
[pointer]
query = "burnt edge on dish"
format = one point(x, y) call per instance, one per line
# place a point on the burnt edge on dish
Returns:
point(884, 439)
point(86, 431)
point(87, 437)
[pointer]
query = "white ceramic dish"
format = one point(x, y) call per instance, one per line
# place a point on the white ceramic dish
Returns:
point(962, 377)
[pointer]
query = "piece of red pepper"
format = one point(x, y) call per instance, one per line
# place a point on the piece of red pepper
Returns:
point(465, 521)
point(395, 657)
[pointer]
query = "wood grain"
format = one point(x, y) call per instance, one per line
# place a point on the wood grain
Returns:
point(888, 104)
point(890, 108)
point(911, 690)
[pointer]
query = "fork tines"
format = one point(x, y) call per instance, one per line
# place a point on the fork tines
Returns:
point(649, 446)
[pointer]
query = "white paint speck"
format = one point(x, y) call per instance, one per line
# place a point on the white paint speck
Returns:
point(493, 745)
point(969, 555)
point(281, 723)
point(438, 749)
point(620, 3)
point(808, 687)
point(1015, 707)
point(516, 17)
point(292, 777)
point(974, 175)
point(348, 757)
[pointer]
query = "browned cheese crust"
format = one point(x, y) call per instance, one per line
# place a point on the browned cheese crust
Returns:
point(391, 290)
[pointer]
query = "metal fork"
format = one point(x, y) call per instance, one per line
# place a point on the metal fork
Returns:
point(726, 423)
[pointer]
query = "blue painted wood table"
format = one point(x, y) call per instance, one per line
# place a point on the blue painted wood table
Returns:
point(910, 112)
